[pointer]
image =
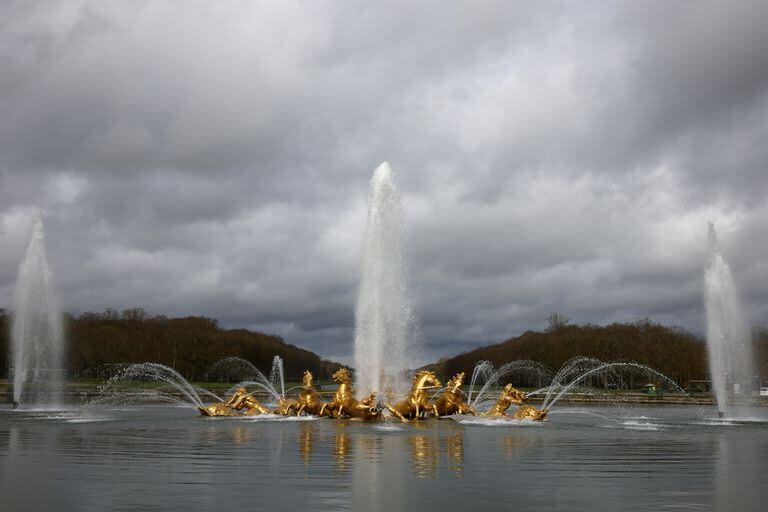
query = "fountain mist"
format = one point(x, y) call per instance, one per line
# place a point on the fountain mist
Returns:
point(728, 337)
point(37, 339)
point(383, 318)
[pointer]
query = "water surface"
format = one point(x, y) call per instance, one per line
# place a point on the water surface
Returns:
point(598, 458)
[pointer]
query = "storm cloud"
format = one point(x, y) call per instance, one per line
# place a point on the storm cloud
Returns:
point(213, 158)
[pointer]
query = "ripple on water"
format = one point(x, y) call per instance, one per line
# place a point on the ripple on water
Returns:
point(730, 422)
point(66, 416)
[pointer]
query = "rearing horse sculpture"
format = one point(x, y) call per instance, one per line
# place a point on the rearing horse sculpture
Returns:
point(417, 400)
point(309, 401)
point(452, 401)
point(344, 403)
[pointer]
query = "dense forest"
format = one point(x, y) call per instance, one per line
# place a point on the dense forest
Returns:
point(191, 345)
point(670, 350)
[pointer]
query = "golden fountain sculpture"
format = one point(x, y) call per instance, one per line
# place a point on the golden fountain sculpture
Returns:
point(452, 400)
point(345, 405)
point(415, 405)
point(240, 400)
point(287, 407)
point(509, 396)
point(417, 400)
point(309, 401)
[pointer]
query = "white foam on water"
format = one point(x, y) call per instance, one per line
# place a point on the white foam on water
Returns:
point(87, 420)
point(495, 422)
point(641, 425)
point(278, 418)
point(387, 428)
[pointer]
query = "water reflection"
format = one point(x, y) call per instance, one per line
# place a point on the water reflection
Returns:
point(356, 447)
point(159, 458)
point(427, 448)
point(739, 469)
point(241, 435)
point(454, 452)
point(514, 446)
point(424, 455)
point(341, 446)
point(306, 436)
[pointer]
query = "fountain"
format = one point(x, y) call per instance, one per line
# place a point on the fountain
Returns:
point(170, 386)
point(579, 369)
point(276, 376)
point(231, 369)
point(485, 372)
point(728, 337)
point(383, 318)
point(37, 337)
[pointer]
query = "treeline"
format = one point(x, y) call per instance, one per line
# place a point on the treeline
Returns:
point(191, 345)
point(673, 351)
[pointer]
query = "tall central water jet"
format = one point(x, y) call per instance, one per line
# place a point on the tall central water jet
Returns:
point(728, 335)
point(383, 317)
point(37, 340)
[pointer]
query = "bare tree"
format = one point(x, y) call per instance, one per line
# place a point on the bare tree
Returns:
point(557, 321)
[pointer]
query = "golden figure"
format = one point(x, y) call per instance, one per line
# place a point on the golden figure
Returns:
point(508, 396)
point(244, 400)
point(529, 412)
point(239, 400)
point(417, 401)
point(218, 409)
point(287, 406)
point(345, 405)
point(452, 401)
point(309, 401)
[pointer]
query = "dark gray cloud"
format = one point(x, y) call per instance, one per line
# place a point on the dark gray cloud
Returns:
point(214, 159)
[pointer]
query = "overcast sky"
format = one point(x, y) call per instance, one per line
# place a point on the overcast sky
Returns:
point(213, 158)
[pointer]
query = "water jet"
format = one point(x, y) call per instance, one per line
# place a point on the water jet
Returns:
point(37, 337)
point(383, 318)
point(729, 342)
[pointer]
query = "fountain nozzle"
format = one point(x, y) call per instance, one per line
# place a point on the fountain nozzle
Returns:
point(15, 404)
point(720, 414)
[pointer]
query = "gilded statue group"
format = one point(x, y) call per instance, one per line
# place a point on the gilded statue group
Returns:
point(415, 405)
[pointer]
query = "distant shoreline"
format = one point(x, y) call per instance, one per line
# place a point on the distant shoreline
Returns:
point(81, 391)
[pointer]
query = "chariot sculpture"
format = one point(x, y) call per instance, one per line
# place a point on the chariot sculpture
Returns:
point(414, 406)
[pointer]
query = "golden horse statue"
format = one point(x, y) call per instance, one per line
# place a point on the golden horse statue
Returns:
point(509, 396)
point(309, 401)
point(451, 401)
point(417, 400)
point(345, 405)
point(239, 400)
point(286, 406)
